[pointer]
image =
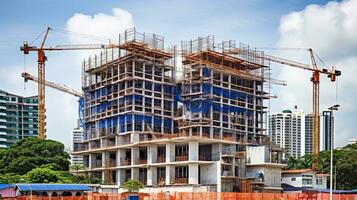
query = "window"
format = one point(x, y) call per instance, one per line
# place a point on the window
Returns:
point(293, 179)
point(318, 181)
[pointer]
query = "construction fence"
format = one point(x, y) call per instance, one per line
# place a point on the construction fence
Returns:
point(198, 196)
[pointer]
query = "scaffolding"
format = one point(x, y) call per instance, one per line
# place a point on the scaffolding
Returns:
point(223, 91)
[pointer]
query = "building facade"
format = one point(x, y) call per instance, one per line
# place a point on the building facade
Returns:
point(77, 141)
point(180, 135)
point(293, 131)
point(18, 118)
point(304, 178)
point(287, 129)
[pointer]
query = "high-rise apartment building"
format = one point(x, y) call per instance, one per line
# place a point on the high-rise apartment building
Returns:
point(286, 129)
point(293, 131)
point(18, 118)
point(77, 141)
point(181, 135)
point(326, 130)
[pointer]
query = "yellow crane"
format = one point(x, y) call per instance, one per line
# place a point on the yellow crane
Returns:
point(41, 59)
point(315, 79)
point(56, 86)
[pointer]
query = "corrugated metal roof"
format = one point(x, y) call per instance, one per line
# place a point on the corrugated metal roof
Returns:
point(3, 186)
point(52, 187)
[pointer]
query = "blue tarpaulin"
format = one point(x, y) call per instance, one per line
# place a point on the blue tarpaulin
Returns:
point(51, 187)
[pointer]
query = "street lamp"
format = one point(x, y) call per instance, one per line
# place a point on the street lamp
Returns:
point(332, 108)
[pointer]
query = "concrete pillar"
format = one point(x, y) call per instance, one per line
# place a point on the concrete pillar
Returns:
point(105, 159)
point(152, 176)
point(152, 154)
point(120, 177)
point(193, 150)
point(134, 155)
point(193, 174)
point(219, 180)
point(103, 177)
point(170, 174)
point(135, 173)
point(90, 166)
point(170, 152)
point(119, 157)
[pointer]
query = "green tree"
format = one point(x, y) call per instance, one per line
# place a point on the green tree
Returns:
point(76, 167)
point(133, 185)
point(30, 153)
point(345, 164)
point(10, 178)
point(42, 175)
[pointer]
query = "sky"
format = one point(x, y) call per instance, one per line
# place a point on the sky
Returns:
point(329, 27)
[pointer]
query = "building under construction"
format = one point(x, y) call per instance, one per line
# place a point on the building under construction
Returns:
point(204, 131)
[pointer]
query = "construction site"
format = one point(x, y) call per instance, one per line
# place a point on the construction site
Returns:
point(180, 119)
point(203, 130)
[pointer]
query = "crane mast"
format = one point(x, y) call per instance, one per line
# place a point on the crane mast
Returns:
point(315, 79)
point(57, 86)
point(41, 59)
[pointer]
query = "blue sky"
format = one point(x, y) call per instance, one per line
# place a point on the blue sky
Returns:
point(259, 23)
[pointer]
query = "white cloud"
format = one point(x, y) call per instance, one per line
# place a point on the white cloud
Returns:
point(331, 31)
point(101, 25)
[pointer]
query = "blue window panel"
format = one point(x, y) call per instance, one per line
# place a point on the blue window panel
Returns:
point(129, 98)
point(102, 123)
point(206, 106)
point(115, 121)
point(109, 122)
point(226, 93)
point(234, 95)
point(196, 106)
point(206, 72)
point(217, 91)
point(138, 118)
point(129, 118)
point(148, 119)
point(168, 89)
point(97, 93)
point(157, 121)
point(206, 88)
point(167, 122)
point(138, 97)
point(148, 100)
point(157, 87)
point(216, 107)
point(225, 109)
point(148, 85)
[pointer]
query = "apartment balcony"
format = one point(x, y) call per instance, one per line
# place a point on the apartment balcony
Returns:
point(181, 180)
point(227, 173)
point(141, 161)
point(181, 158)
point(112, 163)
point(161, 159)
point(98, 164)
point(228, 138)
point(81, 148)
point(108, 144)
point(125, 162)
point(206, 135)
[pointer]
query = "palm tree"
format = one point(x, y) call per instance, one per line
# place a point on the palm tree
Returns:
point(292, 163)
point(77, 167)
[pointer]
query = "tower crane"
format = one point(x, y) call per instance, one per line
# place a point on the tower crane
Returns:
point(315, 79)
point(57, 86)
point(41, 59)
point(62, 88)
